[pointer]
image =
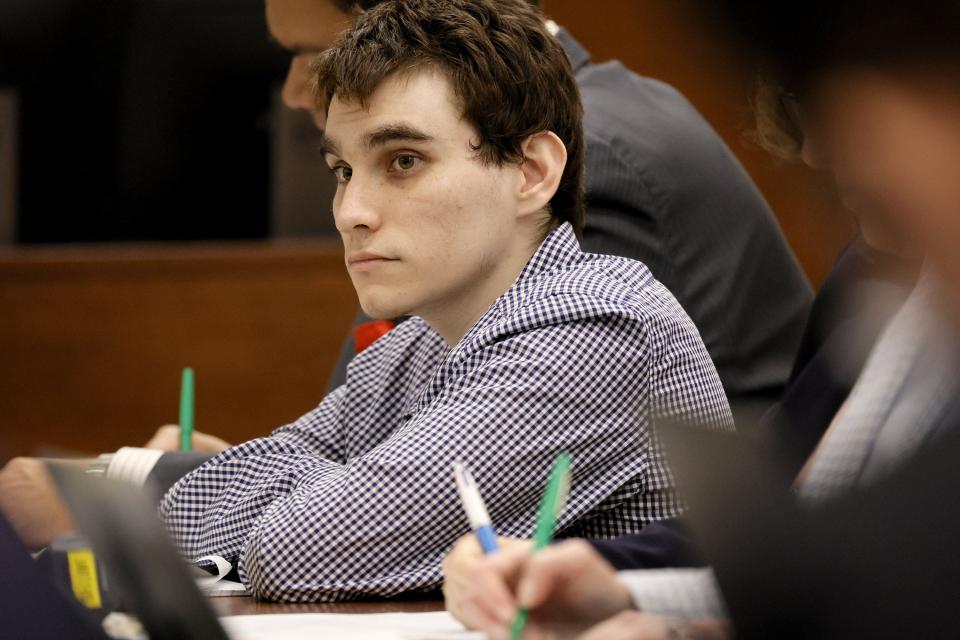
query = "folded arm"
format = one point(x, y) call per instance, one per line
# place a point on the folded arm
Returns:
point(307, 524)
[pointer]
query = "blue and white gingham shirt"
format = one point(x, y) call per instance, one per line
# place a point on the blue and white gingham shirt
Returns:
point(357, 497)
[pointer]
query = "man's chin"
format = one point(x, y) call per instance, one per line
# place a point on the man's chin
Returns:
point(382, 312)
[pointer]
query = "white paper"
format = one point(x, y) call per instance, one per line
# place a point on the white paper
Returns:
point(225, 588)
point(356, 626)
point(213, 586)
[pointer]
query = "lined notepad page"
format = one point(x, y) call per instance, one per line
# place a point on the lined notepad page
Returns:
point(439, 625)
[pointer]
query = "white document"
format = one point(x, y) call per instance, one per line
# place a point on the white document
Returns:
point(225, 588)
point(349, 626)
point(217, 585)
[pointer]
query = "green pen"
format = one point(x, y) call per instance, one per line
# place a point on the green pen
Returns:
point(554, 499)
point(186, 409)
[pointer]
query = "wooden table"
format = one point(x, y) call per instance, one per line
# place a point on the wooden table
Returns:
point(237, 606)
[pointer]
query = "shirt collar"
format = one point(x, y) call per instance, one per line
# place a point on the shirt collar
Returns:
point(560, 247)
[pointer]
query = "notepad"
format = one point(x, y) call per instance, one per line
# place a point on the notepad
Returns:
point(224, 588)
point(218, 585)
point(349, 626)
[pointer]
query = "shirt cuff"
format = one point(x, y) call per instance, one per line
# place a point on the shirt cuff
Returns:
point(688, 594)
point(133, 464)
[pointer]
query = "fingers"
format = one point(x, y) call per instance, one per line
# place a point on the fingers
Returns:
point(712, 629)
point(458, 568)
point(477, 587)
point(630, 625)
point(565, 586)
point(208, 443)
point(555, 567)
point(30, 502)
point(490, 595)
point(25, 472)
point(512, 544)
point(462, 557)
point(167, 438)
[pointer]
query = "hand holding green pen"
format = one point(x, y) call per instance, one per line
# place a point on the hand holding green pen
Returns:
point(186, 409)
point(554, 499)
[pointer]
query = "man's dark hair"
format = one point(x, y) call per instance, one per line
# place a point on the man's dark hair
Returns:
point(512, 78)
point(773, 127)
point(348, 6)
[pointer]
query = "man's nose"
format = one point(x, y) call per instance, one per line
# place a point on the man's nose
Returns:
point(356, 208)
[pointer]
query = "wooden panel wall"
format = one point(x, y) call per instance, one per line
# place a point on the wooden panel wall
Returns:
point(92, 340)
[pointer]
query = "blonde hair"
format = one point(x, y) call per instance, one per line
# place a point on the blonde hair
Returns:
point(773, 130)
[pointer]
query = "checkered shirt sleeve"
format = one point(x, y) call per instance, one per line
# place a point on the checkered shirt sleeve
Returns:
point(357, 497)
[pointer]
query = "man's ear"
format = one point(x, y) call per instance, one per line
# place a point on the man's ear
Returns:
point(544, 158)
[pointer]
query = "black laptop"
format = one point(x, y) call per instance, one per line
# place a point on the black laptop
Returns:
point(148, 573)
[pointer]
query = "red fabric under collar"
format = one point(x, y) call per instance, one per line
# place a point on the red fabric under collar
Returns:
point(366, 334)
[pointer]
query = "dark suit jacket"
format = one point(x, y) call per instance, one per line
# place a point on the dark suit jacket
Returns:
point(847, 318)
point(880, 563)
point(30, 605)
point(836, 342)
point(664, 189)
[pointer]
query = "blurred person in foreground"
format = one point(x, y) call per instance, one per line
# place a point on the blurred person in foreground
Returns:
point(878, 90)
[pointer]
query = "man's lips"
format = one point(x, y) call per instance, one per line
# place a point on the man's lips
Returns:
point(366, 259)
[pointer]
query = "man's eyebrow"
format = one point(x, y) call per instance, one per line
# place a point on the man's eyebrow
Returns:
point(378, 137)
point(389, 133)
point(329, 146)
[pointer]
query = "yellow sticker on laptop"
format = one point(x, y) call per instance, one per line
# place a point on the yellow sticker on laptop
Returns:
point(83, 577)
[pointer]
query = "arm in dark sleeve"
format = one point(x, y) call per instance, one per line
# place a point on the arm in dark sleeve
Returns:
point(31, 606)
point(666, 543)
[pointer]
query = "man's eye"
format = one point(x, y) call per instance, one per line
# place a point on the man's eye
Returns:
point(405, 162)
point(342, 173)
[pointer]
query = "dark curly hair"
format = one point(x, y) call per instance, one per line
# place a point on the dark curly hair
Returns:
point(348, 6)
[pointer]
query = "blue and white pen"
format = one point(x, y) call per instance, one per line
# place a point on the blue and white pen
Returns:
point(476, 511)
